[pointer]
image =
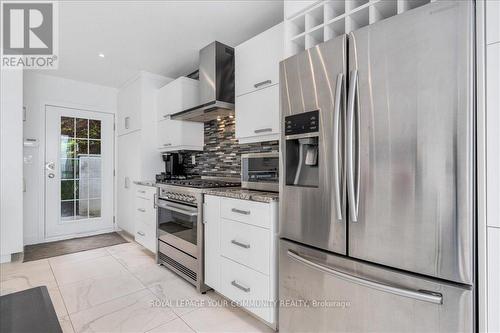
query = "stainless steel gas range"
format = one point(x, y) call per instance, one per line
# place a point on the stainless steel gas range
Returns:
point(180, 231)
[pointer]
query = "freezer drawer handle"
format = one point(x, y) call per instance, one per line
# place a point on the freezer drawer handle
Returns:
point(245, 246)
point(239, 286)
point(420, 295)
point(239, 211)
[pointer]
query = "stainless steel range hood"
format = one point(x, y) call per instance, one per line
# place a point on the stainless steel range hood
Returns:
point(216, 85)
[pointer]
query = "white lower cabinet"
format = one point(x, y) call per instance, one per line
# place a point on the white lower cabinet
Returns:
point(145, 217)
point(241, 253)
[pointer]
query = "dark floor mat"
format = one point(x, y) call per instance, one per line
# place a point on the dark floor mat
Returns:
point(54, 249)
point(28, 311)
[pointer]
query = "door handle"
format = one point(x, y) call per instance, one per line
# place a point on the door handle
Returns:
point(421, 295)
point(141, 210)
point(352, 189)
point(239, 211)
point(336, 143)
point(263, 83)
point(240, 286)
point(262, 130)
point(243, 245)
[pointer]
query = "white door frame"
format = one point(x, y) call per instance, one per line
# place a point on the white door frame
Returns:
point(42, 224)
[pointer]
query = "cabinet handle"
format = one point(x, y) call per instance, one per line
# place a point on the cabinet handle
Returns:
point(167, 144)
point(239, 211)
point(262, 83)
point(127, 182)
point(141, 210)
point(141, 191)
point(127, 122)
point(239, 286)
point(262, 130)
point(243, 245)
point(140, 233)
point(154, 201)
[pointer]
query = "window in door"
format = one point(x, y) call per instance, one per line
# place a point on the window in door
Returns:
point(80, 165)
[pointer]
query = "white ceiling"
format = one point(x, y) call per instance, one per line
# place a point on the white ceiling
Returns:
point(161, 37)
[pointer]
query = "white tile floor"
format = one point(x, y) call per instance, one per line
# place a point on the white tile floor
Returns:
point(121, 289)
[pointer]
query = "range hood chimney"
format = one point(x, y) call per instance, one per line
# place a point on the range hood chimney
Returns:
point(216, 85)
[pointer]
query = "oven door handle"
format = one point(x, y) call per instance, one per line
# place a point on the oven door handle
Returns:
point(177, 209)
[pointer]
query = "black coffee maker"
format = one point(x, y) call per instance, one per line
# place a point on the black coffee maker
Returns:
point(174, 168)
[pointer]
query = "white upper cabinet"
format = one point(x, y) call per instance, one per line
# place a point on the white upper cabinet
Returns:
point(257, 86)
point(257, 115)
point(179, 135)
point(176, 96)
point(257, 61)
point(129, 108)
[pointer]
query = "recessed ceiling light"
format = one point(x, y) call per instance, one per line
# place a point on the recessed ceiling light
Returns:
point(101, 55)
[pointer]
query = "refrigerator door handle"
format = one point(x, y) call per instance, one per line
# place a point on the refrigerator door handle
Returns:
point(421, 295)
point(336, 130)
point(352, 189)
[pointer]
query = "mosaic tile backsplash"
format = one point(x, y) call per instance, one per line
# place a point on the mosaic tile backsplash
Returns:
point(221, 156)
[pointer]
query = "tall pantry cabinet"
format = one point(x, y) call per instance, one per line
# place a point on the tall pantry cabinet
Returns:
point(138, 158)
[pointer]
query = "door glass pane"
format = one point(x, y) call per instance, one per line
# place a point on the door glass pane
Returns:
point(67, 210)
point(95, 208)
point(82, 147)
point(94, 166)
point(67, 147)
point(67, 168)
point(94, 129)
point(82, 209)
point(81, 188)
point(82, 128)
point(68, 126)
point(95, 147)
point(67, 189)
point(95, 188)
point(80, 165)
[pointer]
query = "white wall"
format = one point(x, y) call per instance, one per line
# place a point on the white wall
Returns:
point(11, 159)
point(40, 90)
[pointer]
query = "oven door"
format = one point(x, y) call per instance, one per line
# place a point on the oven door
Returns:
point(178, 226)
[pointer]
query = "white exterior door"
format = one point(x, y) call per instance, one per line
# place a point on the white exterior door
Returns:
point(78, 172)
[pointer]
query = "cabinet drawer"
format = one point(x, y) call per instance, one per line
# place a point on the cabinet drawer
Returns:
point(144, 210)
point(242, 284)
point(145, 234)
point(146, 192)
point(246, 244)
point(246, 211)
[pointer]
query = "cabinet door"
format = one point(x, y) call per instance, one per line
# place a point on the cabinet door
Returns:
point(257, 115)
point(211, 224)
point(178, 134)
point(178, 95)
point(128, 170)
point(257, 61)
point(129, 108)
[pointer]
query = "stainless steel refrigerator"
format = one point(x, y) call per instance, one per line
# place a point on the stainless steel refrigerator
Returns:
point(377, 212)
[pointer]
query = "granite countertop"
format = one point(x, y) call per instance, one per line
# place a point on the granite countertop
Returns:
point(243, 194)
point(145, 182)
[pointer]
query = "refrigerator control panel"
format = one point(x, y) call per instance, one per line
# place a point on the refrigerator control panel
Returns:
point(301, 123)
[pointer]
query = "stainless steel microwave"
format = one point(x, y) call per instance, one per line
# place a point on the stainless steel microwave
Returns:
point(260, 171)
